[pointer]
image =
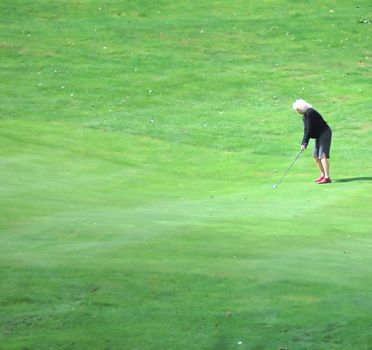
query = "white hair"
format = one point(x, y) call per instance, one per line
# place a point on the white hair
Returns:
point(301, 106)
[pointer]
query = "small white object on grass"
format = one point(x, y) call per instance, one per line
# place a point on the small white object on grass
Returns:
point(274, 186)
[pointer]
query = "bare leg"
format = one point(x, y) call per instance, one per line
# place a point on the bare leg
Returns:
point(320, 165)
point(325, 164)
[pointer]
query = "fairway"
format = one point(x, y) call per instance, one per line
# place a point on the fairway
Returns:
point(139, 145)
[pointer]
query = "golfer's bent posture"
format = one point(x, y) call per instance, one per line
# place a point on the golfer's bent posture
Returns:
point(316, 128)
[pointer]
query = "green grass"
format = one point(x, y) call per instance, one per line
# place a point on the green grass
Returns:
point(139, 142)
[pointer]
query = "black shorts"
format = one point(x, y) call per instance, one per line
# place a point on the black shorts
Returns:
point(323, 145)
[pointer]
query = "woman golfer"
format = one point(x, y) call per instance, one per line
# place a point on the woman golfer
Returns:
point(316, 128)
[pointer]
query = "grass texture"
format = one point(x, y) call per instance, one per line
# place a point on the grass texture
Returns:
point(139, 141)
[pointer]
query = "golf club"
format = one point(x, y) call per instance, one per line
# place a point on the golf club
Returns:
point(280, 181)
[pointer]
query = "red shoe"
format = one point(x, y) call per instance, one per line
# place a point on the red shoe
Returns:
point(325, 180)
point(319, 179)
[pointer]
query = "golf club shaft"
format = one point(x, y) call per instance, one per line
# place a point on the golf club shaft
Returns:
point(286, 172)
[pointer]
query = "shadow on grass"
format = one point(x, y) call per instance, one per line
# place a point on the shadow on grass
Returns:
point(351, 179)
